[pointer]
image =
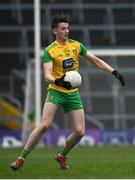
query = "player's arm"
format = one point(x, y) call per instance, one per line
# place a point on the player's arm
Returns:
point(48, 76)
point(47, 66)
point(98, 62)
point(105, 66)
point(48, 72)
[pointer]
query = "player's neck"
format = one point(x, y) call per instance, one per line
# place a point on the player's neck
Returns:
point(62, 42)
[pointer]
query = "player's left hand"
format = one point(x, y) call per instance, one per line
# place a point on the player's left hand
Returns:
point(119, 77)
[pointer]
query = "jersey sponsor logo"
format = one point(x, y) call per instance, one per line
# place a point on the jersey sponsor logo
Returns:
point(68, 63)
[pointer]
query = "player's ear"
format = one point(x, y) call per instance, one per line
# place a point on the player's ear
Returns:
point(54, 30)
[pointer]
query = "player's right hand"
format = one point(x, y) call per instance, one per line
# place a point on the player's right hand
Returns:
point(62, 83)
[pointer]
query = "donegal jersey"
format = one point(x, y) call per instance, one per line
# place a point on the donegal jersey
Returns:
point(64, 58)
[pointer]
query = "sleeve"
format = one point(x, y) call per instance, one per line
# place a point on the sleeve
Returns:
point(84, 50)
point(46, 57)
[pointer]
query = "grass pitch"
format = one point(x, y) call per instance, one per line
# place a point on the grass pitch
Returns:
point(85, 162)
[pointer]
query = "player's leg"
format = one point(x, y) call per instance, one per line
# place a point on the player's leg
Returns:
point(78, 125)
point(47, 118)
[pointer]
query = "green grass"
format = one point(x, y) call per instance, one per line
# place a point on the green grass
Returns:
point(86, 162)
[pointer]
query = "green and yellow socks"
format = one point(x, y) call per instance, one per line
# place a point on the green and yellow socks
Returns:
point(63, 151)
point(24, 154)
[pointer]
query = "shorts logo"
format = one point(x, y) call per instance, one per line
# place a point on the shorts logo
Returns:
point(49, 97)
point(68, 63)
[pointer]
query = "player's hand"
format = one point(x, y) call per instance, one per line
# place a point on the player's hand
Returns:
point(119, 77)
point(61, 82)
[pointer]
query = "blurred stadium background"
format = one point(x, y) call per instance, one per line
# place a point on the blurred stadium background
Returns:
point(107, 28)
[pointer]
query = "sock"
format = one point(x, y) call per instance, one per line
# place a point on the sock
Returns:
point(24, 154)
point(63, 151)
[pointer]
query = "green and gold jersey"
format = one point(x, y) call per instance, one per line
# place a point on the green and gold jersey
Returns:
point(64, 58)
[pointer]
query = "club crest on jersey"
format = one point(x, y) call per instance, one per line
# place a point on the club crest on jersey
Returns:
point(75, 51)
point(68, 63)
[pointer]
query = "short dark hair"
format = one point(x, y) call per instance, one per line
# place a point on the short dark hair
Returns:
point(58, 18)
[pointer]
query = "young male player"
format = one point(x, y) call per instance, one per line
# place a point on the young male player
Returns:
point(60, 56)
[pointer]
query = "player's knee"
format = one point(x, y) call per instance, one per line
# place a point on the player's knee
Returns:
point(80, 133)
point(43, 128)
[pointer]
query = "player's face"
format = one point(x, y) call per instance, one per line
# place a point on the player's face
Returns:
point(62, 31)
